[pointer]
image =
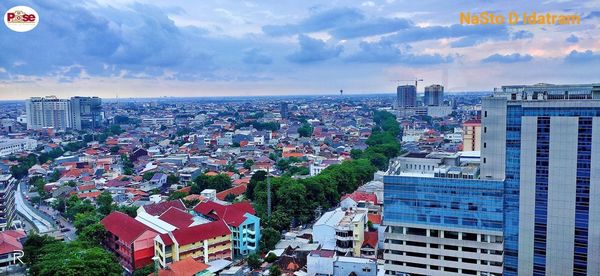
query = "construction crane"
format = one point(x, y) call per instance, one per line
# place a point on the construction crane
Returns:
point(415, 80)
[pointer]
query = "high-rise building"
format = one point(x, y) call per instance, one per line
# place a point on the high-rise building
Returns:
point(441, 218)
point(52, 112)
point(7, 201)
point(472, 135)
point(284, 110)
point(434, 95)
point(541, 140)
point(531, 206)
point(86, 112)
point(48, 112)
point(406, 96)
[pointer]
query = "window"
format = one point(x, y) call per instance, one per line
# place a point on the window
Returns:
point(451, 235)
point(450, 258)
point(485, 114)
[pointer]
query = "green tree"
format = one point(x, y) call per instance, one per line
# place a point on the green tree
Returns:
point(248, 164)
point(279, 220)
point(269, 238)
point(105, 202)
point(73, 258)
point(305, 130)
point(148, 175)
point(129, 210)
point(177, 195)
point(271, 257)
point(230, 197)
point(254, 261)
point(274, 270)
point(85, 219)
point(94, 234)
point(33, 245)
point(172, 179)
point(144, 271)
point(256, 177)
point(114, 149)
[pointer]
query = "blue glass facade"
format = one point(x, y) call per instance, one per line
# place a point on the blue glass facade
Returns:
point(449, 202)
point(582, 201)
point(541, 195)
point(512, 180)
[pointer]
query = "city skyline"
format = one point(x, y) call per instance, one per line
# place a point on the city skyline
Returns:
point(146, 49)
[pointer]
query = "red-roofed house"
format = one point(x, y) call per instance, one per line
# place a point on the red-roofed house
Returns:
point(130, 240)
point(241, 219)
point(11, 247)
point(236, 191)
point(205, 242)
point(369, 246)
point(158, 209)
point(355, 199)
point(185, 267)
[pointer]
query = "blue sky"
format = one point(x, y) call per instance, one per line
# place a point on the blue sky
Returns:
point(155, 48)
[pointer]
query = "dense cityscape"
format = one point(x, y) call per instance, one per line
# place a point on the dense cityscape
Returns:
point(406, 184)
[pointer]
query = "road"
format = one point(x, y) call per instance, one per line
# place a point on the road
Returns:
point(27, 211)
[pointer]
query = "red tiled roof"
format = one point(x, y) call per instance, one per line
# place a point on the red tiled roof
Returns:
point(361, 196)
point(158, 209)
point(370, 239)
point(124, 226)
point(233, 214)
point(472, 122)
point(236, 191)
point(177, 217)
point(185, 267)
point(374, 218)
point(9, 241)
point(89, 195)
point(82, 188)
point(198, 233)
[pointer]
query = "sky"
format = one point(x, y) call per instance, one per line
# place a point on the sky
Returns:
point(150, 48)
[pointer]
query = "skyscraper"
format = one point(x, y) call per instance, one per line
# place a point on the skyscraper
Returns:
point(52, 112)
point(434, 95)
point(86, 112)
point(530, 207)
point(406, 96)
point(541, 140)
point(284, 110)
point(48, 112)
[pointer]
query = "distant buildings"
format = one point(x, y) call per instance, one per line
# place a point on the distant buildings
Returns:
point(406, 96)
point(61, 114)
point(12, 146)
point(472, 135)
point(434, 95)
point(165, 121)
point(528, 206)
point(7, 201)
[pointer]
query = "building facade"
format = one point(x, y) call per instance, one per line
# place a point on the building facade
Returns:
point(241, 220)
point(7, 201)
point(12, 146)
point(472, 135)
point(434, 95)
point(48, 112)
point(541, 139)
point(86, 112)
point(130, 240)
point(441, 219)
point(61, 114)
point(406, 96)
